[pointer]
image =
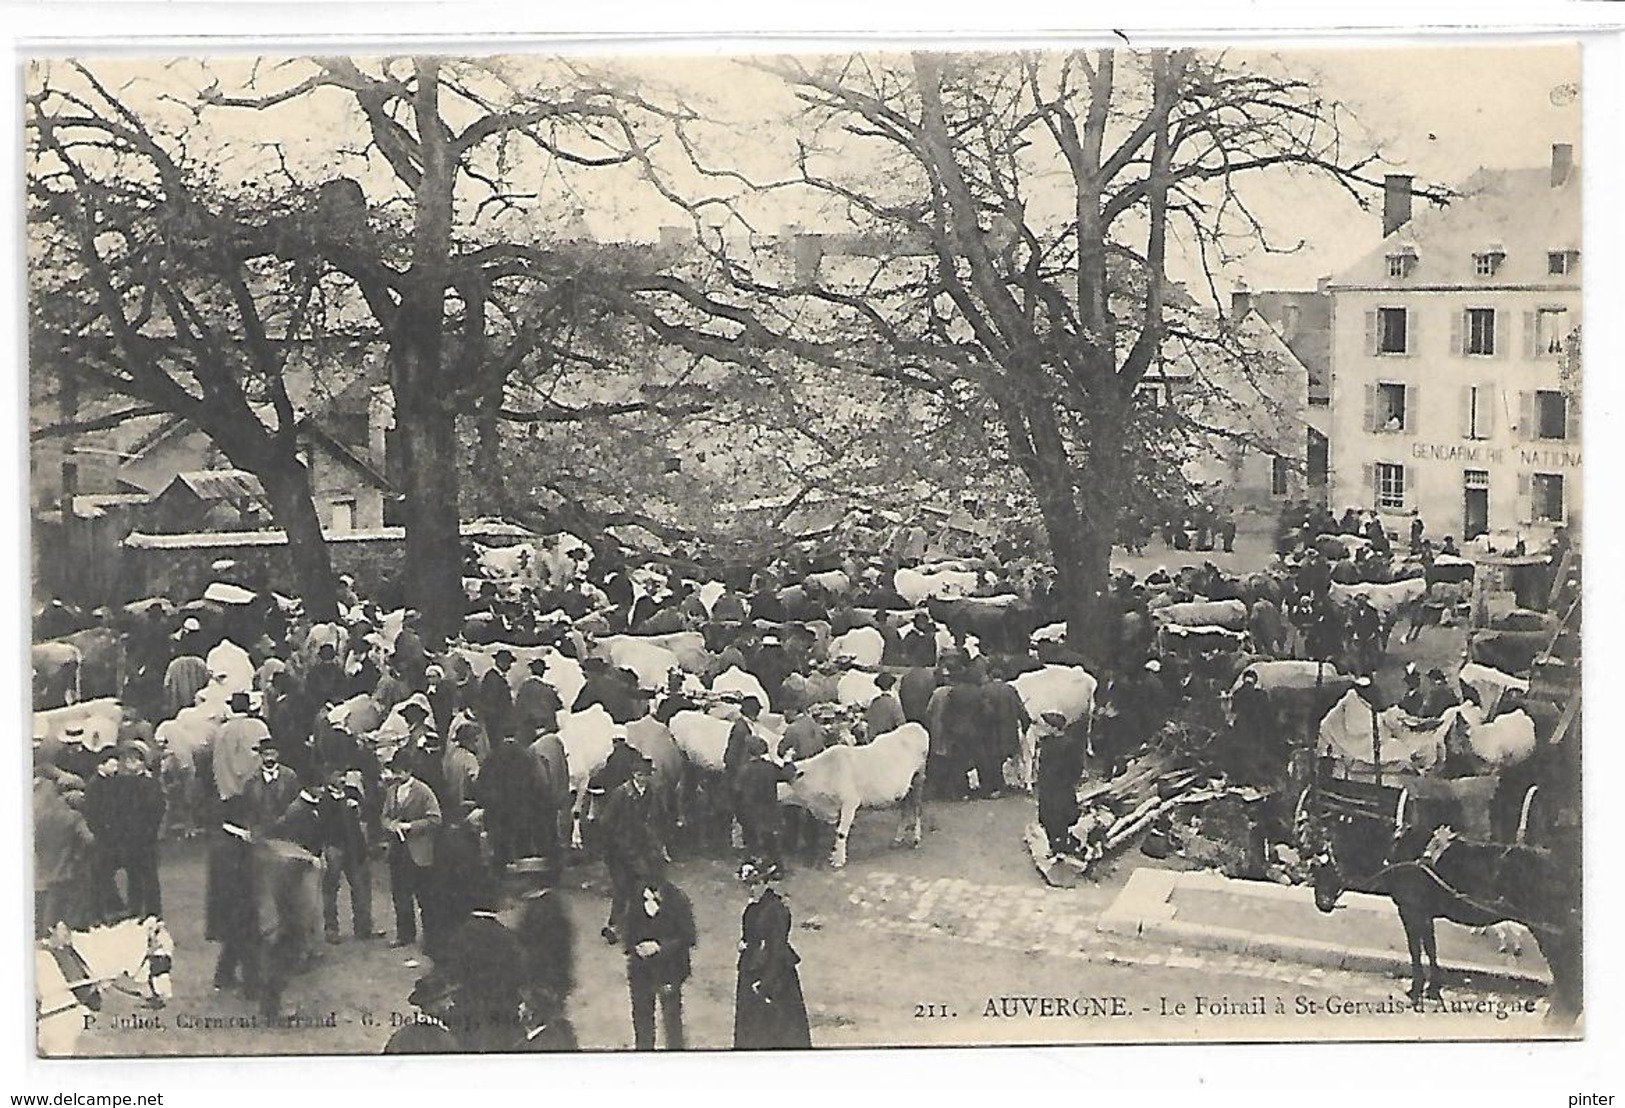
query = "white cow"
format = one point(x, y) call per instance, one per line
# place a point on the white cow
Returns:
point(1050, 632)
point(563, 674)
point(863, 645)
point(689, 646)
point(832, 581)
point(92, 723)
point(735, 680)
point(1069, 690)
point(917, 587)
point(1388, 599)
point(856, 687)
point(587, 737)
point(702, 737)
point(836, 782)
point(650, 661)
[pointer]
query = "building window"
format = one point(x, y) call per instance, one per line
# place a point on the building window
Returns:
point(1390, 486)
point(1149, 394)
point(1546, 497)
point(1481, 330)
point(1279, 469)
point(1390, 413)
point(1561, 263)
point(342, 516)
point(1551, 328)
point(1479, 399)
point(1551, 415)
point(1486, 264)
point(1391, 330)
point(1401, 264)
point(1476, 478)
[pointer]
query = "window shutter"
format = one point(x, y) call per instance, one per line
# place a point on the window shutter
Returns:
point(1503, 332)
point(1370, 408)
point(1526, 416)
point(1466, 411)
point(1411, 345)
point(1405, 484)
point(1458, 336)
point(1529, 328)
point(1526, 502)
point(1368, 477)
point(1488, 399)
point(1413, 414)
point(1371, 331)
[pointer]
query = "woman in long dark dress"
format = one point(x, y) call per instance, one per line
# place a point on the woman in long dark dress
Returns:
point(769, 1011)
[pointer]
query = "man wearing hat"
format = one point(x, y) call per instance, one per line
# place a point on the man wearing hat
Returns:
point(236, 753)
point(658, 936)
point(124, 808)
point(1413, 699)
point(885, 712)
point(629, 831)
point(1439, 697)
point(674, 699)
point(268, 793)
point(918, 646)
point(411, 821)
point(615, 689)
point(493, 699)
point(536, 705)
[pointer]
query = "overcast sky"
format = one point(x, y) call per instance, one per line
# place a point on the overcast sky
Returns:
point(1436, 112)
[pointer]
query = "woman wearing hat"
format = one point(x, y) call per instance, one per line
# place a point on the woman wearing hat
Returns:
point(770, 1012)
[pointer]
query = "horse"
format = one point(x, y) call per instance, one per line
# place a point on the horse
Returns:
point(71, 967)
point(1430, 872)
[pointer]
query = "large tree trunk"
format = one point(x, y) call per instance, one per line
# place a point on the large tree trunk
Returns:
point(434, 556)
point(427, 419)
point(287, 487)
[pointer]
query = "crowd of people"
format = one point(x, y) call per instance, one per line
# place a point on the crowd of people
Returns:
point(364, 742)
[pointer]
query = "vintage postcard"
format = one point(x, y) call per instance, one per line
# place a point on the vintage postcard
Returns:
point(568, 552)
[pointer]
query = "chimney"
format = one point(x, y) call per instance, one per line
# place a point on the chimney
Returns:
point(1241, 300)
point(1562, 163)
point(1323, 285)
point(70, 484)
point(1396, 202)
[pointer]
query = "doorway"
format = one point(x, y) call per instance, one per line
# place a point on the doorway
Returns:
point(1475, 512)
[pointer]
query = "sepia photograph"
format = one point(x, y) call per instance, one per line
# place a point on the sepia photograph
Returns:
point(592, 551)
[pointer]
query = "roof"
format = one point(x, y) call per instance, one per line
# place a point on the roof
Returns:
point(310, 428)
point(1303, 319)
point(220, 484)
point(1518, 211)
point(202, 540)
point(93, 505)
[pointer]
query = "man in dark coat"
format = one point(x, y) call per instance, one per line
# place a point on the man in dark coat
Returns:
point(536, 705)
point(609, 688)
point(509, 789)
point(658, 936)
point(124, 808)
point(919, 644)
point(267, 794)
point(757, 799)
point(329, 823)
point(1061, 750)
point(629, 831)
point(769, 1010)
point(493, 702)
point(1006, 720)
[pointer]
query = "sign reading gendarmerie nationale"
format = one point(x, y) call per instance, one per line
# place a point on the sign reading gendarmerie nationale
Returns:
point(552, 553)
point(1529, 457)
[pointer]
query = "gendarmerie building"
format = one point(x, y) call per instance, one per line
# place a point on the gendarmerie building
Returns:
point(1455, 376)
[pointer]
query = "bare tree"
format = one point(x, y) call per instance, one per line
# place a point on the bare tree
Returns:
point(1014, 221)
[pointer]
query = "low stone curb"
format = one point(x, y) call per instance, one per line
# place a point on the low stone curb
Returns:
point(1145, 909)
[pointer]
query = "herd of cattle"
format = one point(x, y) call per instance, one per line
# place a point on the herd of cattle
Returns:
point(850, 621)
